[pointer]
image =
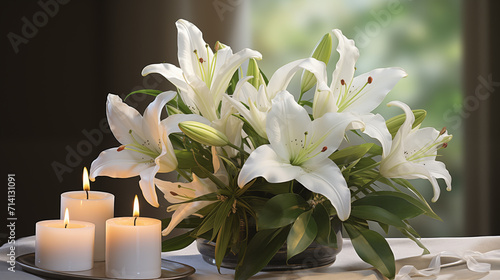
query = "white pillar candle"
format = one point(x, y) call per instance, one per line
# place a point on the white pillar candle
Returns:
point(133, 247)
point(96, 209)
point(63, 248)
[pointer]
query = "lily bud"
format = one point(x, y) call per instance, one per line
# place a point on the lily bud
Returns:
point(203, 133)
point(322, 53)
point(393, 124)
point(253, 70)
point(171, 110)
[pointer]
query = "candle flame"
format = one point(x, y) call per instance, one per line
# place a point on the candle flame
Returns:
point(136, 207)
point(86, 184)
point(66, 218)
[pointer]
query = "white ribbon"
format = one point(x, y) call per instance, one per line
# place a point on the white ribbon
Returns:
point(470, 257)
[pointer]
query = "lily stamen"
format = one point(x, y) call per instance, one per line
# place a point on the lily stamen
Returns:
point(182, 187)
point(443, 131)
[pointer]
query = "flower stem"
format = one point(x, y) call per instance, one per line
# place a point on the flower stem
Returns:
point(365, 168)
point(183, 174)
point(239, 149)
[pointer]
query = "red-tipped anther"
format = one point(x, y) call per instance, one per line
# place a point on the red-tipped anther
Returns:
point(445, 145)
point(324, 149)
point(201, 60)
point(443, 130)
point(121, 148)
point(370, 79)
point(174, 193)
point(342, 82)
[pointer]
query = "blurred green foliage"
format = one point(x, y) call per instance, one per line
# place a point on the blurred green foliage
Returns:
point(423, 37)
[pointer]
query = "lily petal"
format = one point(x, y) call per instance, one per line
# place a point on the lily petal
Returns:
point(171, 72)
point(179, 192)
point(224, 74)
point(281, 78)
point(147, 185)
point(122, 164)
point(324, 177)
point(189, 39)
point(151, 119)
point(344, 70)
point(375, 127)
point(264, 162)
point(287, 123)
point(368, 90)
point(122, 118)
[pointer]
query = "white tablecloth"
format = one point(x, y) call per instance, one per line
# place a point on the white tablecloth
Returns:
point(347, 266)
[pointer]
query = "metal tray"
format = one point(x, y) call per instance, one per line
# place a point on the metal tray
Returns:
point(169, 270)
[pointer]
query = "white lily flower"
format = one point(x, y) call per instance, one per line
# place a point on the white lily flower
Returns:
point(413, 153)
point(299, 149)
point(146, 149)
point(177, 192)
point(359, 94)
point(203, 76)
point(259, 102)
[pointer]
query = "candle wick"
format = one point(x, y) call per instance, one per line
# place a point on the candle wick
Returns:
point(135, 220)
point(87, 194)
point(65, 225)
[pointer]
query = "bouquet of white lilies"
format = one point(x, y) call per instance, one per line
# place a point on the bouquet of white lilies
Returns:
point(258, 170)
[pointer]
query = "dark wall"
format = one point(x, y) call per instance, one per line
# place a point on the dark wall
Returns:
point(59, 63)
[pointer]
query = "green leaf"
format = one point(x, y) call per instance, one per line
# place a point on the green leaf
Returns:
point(260, 251)
point(351, 153)
point(408, 234)
point(394, 123)
point(232, 84)
point(305, 103)
point(378, 214)
point(205, 197)
point(302, 234)
point(322, 219)
point(223, 239)
point(410, 187)
point(185, 159)
point(419, 203)
point(221, 215)
point(152, 92)
point(281, 210)
point(178, 242)
point(208, 221)
point(181, 105)
point(272, 188)
point(395, 205)
point(372, 248)
point(266, 80)
point(191, 222)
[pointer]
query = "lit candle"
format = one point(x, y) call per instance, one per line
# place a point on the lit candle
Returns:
point(62, 245)
point(133, 247)
point(90, 206)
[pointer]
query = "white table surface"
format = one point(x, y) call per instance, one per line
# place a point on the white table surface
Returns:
point(347, 266)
